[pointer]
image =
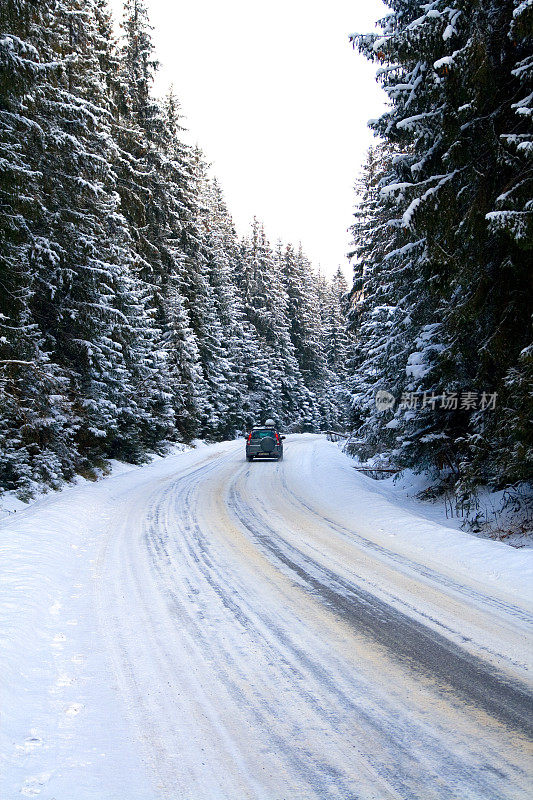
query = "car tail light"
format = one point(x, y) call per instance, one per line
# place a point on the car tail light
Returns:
point(249, 437)
point(277, 438)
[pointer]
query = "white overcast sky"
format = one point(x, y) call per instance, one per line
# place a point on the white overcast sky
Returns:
point(278, 101)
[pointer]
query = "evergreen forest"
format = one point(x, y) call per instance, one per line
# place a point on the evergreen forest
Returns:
point(131, 314)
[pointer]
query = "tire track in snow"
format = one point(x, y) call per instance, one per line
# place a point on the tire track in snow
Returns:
point(406, 563)
point(381, 583)
point(419, 646)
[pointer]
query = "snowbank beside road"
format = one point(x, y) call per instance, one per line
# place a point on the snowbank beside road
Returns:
point(11, 504)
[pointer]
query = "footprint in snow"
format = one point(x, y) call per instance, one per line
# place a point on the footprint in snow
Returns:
point(73, 709)
point(32, 742)
point(34, 785)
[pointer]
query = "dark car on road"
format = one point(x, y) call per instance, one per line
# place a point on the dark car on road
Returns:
point(264, 442)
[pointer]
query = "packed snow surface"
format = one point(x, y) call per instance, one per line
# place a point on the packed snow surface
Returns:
point(205, 628)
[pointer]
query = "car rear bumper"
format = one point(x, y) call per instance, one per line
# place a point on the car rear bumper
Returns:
point(255, 451)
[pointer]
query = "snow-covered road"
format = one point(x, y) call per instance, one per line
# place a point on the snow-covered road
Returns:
point(204, 628)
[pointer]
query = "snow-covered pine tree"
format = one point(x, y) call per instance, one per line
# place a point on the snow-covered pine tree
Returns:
point(212, 315)
point(333, 397)
point(250, 358)
point(514, 217)
point(303, 314)
point(258, 287)
point(334, 335)
point(73, 273)
point(222, 258)
point(448, 71)
point(37, 423)
point(180, 242)
point(159, 186)
point(296, 399)
point(138, 66)
point(89, 302)
point(381, 306)
point(278, 382)
point(514, 214)
point(187, 384)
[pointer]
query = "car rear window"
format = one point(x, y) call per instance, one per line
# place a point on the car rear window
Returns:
point(263, 434)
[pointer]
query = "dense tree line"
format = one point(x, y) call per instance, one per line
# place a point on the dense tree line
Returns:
point(441, 302)
point(131, 314)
